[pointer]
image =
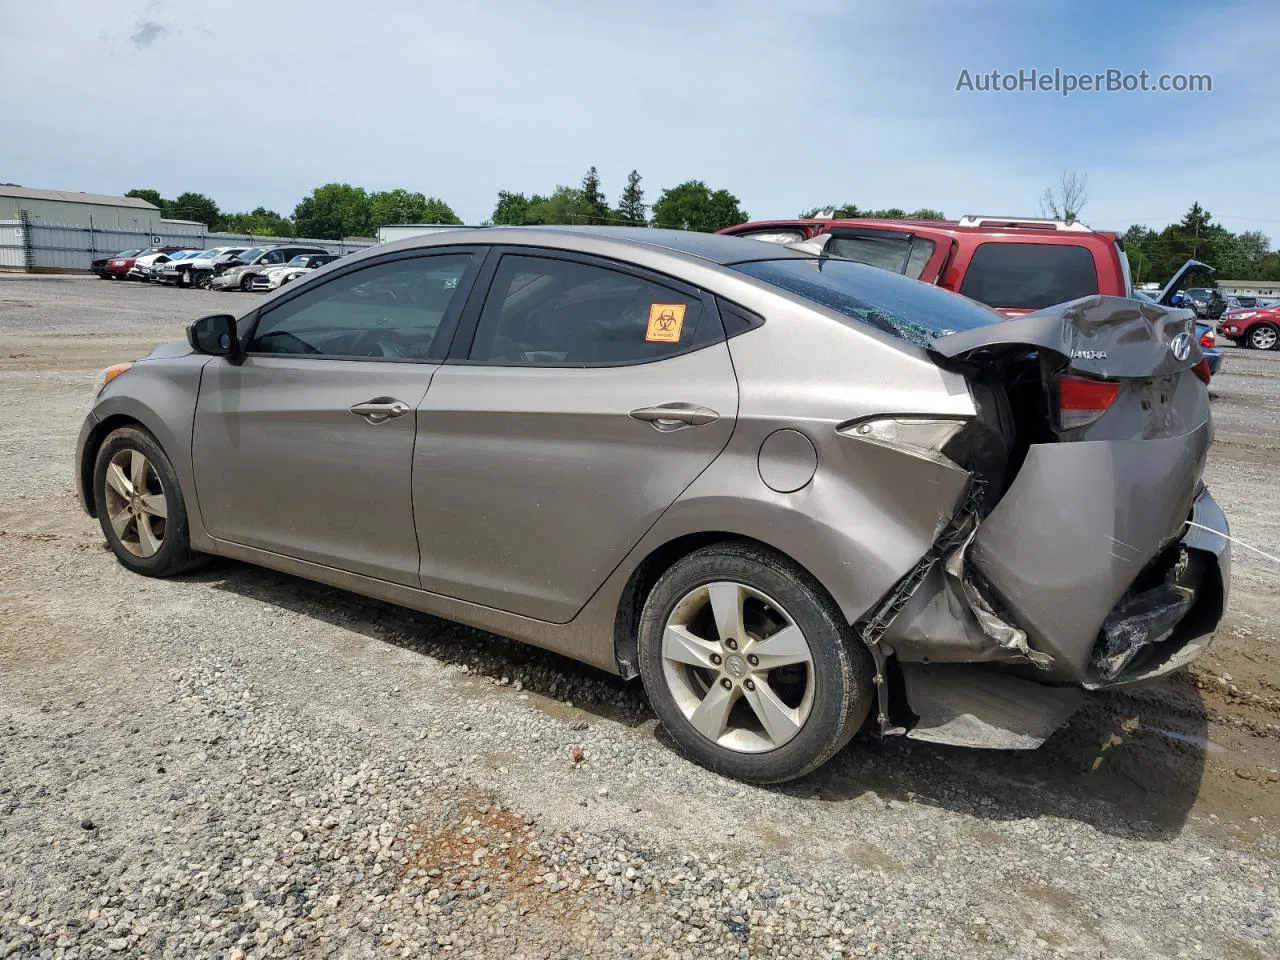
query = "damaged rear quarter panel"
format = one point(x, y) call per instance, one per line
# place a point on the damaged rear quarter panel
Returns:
point(1075, 529)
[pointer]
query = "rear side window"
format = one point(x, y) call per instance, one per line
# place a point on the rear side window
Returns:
point(545, 312)
point(901, 253)
point(1029, 276)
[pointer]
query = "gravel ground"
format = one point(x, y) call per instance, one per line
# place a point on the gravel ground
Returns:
point(242, 764)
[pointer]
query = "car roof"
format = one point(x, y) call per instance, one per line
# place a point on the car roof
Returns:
point(712, 247)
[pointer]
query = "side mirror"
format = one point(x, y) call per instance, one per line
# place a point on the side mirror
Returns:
point(215, 335)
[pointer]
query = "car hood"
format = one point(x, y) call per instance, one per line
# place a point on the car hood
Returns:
point(168, 351)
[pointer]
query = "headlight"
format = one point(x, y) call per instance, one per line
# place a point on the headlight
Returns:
point(107, 375)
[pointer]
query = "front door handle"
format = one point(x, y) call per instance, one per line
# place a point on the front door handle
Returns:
point(380, 409)
point(666, 417)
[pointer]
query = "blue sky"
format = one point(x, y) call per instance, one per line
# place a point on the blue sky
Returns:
point(786, 104)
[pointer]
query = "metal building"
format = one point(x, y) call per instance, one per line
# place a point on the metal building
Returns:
point(79, 209)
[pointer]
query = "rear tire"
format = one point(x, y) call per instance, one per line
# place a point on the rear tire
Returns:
point(1264, 336)
point(140, 505)
point(734, 703)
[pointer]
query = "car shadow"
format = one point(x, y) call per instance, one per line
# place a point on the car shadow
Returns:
point(1129, 763)
point(482, 653)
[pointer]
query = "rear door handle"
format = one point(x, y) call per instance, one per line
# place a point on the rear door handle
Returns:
point(380, 409)
point(666, 417)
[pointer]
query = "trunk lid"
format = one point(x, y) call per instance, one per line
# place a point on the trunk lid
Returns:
point(1112, 338)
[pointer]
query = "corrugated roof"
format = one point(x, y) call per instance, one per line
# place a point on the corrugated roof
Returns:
point(68, 196)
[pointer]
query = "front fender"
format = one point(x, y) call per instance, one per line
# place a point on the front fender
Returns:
point(160, 396)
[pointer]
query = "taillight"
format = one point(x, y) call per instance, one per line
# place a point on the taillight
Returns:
point(1201, 370)
point(1082, 401)
point(1208, 340)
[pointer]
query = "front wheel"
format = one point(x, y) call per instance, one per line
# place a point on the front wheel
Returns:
point(140, 504)
point(750, 666)
point(1264, 336)
point(246, 282)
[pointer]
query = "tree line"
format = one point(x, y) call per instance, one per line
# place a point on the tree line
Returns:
point(337, 210)
point(1154, 256)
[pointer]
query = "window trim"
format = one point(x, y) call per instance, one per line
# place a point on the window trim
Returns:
point(469, 324)
point(448, 323)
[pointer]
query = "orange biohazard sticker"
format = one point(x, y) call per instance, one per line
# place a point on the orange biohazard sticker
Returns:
point(666, 320)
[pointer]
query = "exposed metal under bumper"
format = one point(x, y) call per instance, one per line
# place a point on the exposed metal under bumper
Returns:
point(969, 705)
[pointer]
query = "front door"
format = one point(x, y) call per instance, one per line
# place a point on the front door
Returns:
point(305, 448)
point(587, 397)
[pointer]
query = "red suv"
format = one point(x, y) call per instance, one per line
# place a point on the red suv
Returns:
point(1015, 265)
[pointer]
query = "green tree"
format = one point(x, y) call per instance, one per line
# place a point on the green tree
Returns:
point(334, 211)
point(593, 201)
point(694, 206)
point(437, 211)
point(512, 209)
point(1254, 245)
point(848, 211)
point(194, 206)
point(926, 213)
point(631, 207)
point(260, 222)
point(564, 205)
point(396, 206)
point(151, 196)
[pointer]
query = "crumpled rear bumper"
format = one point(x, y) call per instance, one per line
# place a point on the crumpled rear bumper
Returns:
point(1105, 563)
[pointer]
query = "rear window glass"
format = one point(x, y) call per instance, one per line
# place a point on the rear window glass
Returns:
point(1029, 276)
point(916, 312)
point(775, 236)
point(900, 253)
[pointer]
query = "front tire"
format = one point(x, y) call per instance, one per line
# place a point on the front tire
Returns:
point(1264, 336)
point(750, 665)
point(140, 505)
point(246, 283)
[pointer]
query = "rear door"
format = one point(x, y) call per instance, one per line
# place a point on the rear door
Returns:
point(581, 398)
point(305, 448)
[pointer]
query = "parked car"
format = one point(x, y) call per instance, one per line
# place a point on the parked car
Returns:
point(121, 265)
point(202, 268)
point(1258, 328)
point(817, 491)
point(1016, 266)
point(142, 265)
point(118, 268)
point(304, 263)
point(173, 270)
point(1207, 302)
point(238, 273)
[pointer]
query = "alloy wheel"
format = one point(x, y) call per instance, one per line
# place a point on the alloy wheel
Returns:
point(1263, 338)
point(738, 667)
point(135, 503)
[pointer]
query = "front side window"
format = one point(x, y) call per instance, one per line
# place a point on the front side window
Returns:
point(390, 310)
point(899, 252)
point(1029, 276)
point(544, 312)
point(273, 256)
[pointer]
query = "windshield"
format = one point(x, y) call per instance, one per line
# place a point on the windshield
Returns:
point(128, 253)
point(300, 260)
point(250, 255)
point(907, 309)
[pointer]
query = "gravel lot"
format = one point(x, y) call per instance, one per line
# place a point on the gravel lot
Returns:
point(242, 764)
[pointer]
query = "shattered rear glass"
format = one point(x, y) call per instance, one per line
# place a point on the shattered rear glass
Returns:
point(907, 309)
